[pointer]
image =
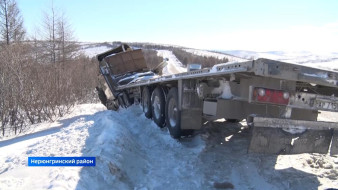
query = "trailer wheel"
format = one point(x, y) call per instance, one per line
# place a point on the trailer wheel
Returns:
point(112, 105)
point(146, 102)
point(126, 100)
point(120, 100)
point(173, 114)
point(158, 106)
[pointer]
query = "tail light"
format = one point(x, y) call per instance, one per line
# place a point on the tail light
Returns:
point(265, 95)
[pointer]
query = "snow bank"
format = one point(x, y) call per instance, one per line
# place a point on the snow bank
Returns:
point(131, 153)
point(134, 154)
point(66, 137)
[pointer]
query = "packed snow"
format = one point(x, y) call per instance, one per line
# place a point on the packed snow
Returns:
point(133, 153)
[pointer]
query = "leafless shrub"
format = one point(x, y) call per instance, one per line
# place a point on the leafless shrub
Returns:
point(43, 78)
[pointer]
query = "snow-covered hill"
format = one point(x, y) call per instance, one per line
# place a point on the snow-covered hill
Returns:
point(207, 53)
point(327, 60)
point(93, 49)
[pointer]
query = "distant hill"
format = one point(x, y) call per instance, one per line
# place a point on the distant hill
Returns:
point(322, 60)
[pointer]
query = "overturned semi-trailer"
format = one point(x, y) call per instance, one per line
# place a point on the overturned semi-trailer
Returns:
point(280, 101)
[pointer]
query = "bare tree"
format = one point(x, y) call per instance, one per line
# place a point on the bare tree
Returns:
point(11, 22)
point(41, 79)
point(49, 34)
point(66, 45)
point(60, 50)
point(13, 77)
point(11, 63)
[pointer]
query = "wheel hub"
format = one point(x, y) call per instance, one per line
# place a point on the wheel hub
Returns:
point(145, 103)
point(157, 107)
point(172, 112)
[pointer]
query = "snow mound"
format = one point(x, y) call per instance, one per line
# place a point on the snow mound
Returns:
point(131, 153)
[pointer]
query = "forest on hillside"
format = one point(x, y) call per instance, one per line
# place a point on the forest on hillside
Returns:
point(183, 56)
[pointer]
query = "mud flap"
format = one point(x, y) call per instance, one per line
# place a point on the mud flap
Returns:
point(334, 143)
point(272, 135)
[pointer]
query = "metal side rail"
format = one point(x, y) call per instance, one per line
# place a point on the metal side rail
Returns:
point(295, 72)
point(218, 70)
point(287, 136)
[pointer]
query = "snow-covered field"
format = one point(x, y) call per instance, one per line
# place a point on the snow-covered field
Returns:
point(133, 153)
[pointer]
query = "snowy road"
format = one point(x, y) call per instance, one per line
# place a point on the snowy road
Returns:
point(174, 65)
point(133, 153)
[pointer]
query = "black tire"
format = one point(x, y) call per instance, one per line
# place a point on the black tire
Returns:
point(112, 105)
point(158, 106)
point(146, 102)
point(102, 96)
point(126, 99)
point(173, 114)
point(120, 100)
point(116, 105)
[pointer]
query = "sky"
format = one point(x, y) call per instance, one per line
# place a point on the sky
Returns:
point(293, 25)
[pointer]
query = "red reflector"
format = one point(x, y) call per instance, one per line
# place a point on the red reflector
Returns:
point(270, 96)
